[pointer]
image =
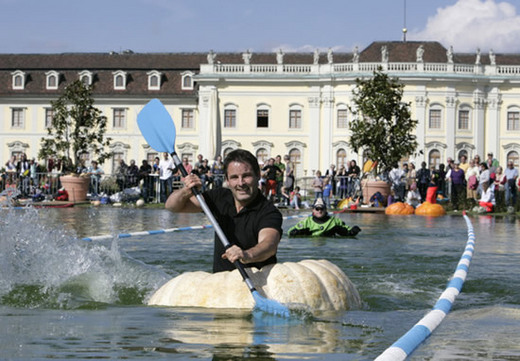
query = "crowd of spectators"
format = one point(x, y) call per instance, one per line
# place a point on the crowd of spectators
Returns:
point(467, 184)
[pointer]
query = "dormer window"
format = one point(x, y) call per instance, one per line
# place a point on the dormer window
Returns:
point(154, 80)
point(18, 80)
point(187, 81)
point(86, 77)
point(119, 80)
point(52, 80)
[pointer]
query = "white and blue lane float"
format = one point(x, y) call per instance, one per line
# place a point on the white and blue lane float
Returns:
point(405, 345)
point(160, 231)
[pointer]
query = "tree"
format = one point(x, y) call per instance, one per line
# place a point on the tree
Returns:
point(77, 128)
point(382, 126)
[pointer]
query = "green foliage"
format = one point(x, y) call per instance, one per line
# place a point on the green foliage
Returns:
point(77, 128)
point(382, 126)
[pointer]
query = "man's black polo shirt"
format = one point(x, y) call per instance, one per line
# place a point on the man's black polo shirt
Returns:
point(241, 229)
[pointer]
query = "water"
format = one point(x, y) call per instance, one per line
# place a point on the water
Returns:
point(64, 298)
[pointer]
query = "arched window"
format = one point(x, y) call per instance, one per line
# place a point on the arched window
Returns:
point(18, 79)
point(227, 151)
point(341, 157)
point(434, 158)
point(154, 80)
point(513, 156)
point(119, 80)
point(262, 155)
point(187, 81)
point(462, 153)
point(86, 77)
point(296, 159)
point(52, 80)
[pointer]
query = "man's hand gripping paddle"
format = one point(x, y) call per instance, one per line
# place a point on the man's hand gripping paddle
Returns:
point(158, 129)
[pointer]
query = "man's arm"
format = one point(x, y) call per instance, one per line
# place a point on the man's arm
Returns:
point(268, 240)
point(183, 200)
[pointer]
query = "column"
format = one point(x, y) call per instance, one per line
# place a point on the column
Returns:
point(420, 106)
point(207, 126)
point(479, 136)
point(451, 124)
point(314, 134)
point(493, 124)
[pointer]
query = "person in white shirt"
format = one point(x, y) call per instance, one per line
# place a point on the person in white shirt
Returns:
point(166, 170)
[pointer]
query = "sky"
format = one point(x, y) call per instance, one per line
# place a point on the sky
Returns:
point(62, 26)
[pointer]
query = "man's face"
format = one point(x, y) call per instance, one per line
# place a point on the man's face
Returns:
point(242, 182)
point(319, 211)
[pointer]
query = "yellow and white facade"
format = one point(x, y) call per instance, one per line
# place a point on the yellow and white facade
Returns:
point(273, 104)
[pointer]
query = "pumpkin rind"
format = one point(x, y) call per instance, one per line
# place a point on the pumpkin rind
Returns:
point(317, 284)
point(430, 209)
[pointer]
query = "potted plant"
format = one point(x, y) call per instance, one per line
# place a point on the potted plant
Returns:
point(77, 128)
point(382, 127)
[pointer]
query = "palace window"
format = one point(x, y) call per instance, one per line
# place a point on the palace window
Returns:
point(52, 80)
point(295, 118)
point(230, 118)
point(119, 80)
point(49, 115)
point(262, 118)
point(187, 119)
point(18, 118)
point(463, 123)
point(513, 157)
point(86, 77)
point(434, 158)
point(154, 80)
point(341, 157)
point(262, 155)
point(119, 118)
point(187, 81)
point(435, 119)
point(18, 80)
point(513, 121)
point(342, 120)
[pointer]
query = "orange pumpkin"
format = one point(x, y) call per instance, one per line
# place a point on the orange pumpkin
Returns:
point(430, 209)
point(400, 208)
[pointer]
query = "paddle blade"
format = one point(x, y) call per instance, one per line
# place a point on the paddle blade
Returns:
point(270, 306)
point(157, 126)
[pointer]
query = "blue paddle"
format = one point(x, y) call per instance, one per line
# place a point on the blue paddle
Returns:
point(158, 130)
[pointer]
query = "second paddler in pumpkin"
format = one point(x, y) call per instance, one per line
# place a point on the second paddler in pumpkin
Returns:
point(321, 224)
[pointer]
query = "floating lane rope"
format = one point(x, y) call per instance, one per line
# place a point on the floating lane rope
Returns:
point(404, 346)
point(160, 231)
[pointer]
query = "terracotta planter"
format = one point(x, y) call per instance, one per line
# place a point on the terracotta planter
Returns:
point(370, 187)
point(76, 187)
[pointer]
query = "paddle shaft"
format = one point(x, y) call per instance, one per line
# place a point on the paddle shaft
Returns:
point(213, 220)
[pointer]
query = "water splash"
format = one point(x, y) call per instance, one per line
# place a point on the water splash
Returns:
point(47, 266)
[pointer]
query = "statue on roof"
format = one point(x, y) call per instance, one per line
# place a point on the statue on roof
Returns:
point(355, 57)
point(211, 57)
point(316, 58)
point(449, 55)
point(247, 57)
point(330, 56)
point(492, 59)
point(420, 53)
point(477, 57)
point(279, 56)
point(384, 54)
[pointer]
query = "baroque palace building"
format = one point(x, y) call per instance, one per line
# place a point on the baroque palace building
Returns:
point(271, 103)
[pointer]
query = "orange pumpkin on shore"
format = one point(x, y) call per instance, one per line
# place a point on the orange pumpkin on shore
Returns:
point(430, 209)
point(399, 208)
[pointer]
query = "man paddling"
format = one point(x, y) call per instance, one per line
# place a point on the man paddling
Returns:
point(252, 224)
